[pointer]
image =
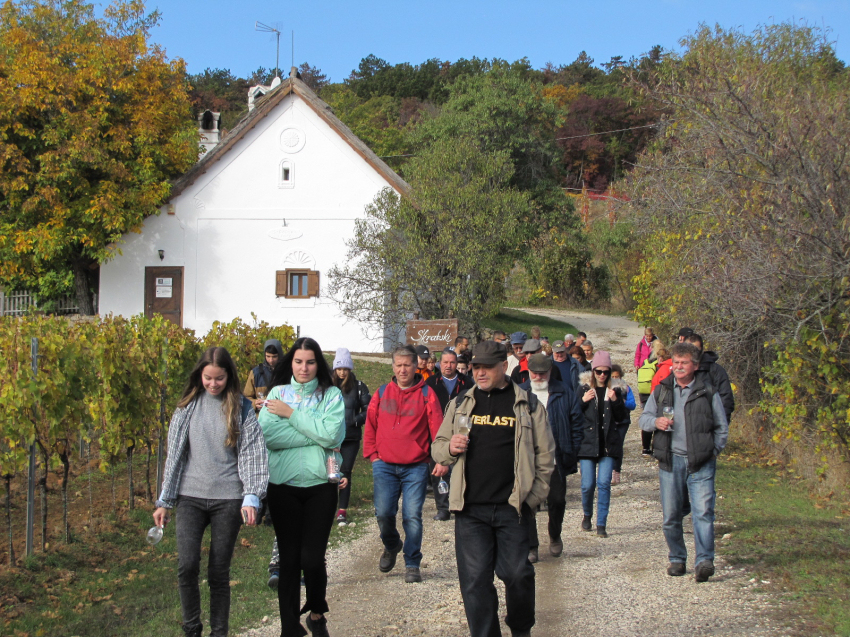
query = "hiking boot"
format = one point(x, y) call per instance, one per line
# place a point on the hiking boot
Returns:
point(412, 575)
point(442, 516)
point(319, 627)
point(274, 578)
point(556, 547)
point(600, 531)
point(703, 571)
point(615, 477)
point(676, 569)
point(585, 523)
point(533, 556)
point(388, 558)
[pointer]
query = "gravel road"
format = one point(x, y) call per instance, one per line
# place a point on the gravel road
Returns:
point(615, 586)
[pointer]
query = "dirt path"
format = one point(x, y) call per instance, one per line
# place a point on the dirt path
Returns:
point(616, 586)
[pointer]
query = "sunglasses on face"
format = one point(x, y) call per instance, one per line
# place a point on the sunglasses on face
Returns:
point(602, 372)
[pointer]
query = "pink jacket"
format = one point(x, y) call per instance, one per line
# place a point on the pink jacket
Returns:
point(644, 349)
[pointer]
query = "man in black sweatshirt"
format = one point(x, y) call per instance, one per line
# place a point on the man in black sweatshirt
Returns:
point(498, 438)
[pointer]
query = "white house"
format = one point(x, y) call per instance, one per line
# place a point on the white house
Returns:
point(255, 225)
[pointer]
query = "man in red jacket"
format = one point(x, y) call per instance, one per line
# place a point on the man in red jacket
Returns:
point(403, 418)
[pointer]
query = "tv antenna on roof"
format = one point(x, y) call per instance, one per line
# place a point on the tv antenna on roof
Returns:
point(259, 26)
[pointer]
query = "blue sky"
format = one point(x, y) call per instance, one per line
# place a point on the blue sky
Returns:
point(334, 35)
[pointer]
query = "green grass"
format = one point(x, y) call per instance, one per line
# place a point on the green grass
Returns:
point(784, 535)
point(510, 321)
point(113, 583)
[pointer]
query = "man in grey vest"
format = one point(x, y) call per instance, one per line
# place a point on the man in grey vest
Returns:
point(686, 446)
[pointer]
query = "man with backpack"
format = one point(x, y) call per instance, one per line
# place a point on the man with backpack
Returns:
point(258, 380)
point(402, 420)
point(498, 440)
point(686, 414)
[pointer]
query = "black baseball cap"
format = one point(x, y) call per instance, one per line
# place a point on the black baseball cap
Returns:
point(423, 352)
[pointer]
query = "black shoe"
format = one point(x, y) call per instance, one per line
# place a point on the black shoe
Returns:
point(442, 516)
point(703, 571)
point(556, 547)
point(388, 558)
point(195, 631)
point(646, 452)
point(676, 569)
point(274, 578)
point(319, 627)
point(533, 556)
point(585, 523)
point(600, 531)
point(412, 575)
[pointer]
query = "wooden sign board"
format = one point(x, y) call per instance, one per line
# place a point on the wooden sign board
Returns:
point(435, 335)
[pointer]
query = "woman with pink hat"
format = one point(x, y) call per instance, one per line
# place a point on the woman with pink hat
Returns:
point(603, 409)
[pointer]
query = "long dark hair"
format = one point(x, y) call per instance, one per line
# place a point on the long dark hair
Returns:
point(282, 374)
point(346, 385)
point(219, 357)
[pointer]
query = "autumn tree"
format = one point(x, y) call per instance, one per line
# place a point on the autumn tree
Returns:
point(94, 122)
point(745, 209)
point(444, 250)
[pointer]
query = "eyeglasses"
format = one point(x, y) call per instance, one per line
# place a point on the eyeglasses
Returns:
point(602, 372)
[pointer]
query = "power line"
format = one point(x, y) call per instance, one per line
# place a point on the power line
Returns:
point(619, 130)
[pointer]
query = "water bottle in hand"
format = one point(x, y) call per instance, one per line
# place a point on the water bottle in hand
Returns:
point(154, 535)
point(442, 487)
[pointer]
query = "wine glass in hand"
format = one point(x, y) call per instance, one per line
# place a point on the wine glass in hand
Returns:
point(668, 412)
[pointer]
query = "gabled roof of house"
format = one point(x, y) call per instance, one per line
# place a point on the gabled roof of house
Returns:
point(291, 85)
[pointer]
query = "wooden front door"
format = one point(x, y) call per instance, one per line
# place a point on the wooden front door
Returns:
point(164, 293)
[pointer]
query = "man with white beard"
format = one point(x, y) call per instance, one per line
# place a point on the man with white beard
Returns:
point(565, 418)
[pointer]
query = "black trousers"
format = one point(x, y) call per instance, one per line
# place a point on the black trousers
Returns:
point(492, 538)
point(557, 503)
point(302, 517)
point(194, 515)
point(349, 449)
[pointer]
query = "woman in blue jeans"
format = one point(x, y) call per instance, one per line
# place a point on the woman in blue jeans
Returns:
point(215, 474)
point(604, 410)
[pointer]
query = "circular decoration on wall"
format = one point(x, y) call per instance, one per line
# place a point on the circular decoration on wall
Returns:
point(292, 140)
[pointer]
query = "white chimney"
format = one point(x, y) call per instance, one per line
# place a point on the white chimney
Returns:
point(209, 129)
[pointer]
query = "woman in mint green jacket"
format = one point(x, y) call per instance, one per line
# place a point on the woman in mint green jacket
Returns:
point(303, 421)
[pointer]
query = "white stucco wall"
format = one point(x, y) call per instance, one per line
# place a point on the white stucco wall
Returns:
point(227, 231)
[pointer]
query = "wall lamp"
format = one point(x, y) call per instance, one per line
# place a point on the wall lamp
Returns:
point(161, 254)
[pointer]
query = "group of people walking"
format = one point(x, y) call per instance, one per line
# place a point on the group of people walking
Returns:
point(495, 445)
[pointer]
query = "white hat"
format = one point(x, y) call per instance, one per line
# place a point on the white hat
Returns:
point(343, 359)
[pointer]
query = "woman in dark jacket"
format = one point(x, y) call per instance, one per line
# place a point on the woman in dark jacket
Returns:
point(356, 397)
point(604, 410)
point(578, 353)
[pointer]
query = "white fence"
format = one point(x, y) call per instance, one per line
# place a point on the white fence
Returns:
point(19, 303)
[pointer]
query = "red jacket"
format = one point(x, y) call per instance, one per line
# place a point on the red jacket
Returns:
point(662, 372)
point(401, 424)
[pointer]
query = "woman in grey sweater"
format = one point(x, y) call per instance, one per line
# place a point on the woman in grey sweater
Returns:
point(216, 472)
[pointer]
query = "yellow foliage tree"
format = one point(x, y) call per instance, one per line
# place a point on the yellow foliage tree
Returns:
point(93, 124)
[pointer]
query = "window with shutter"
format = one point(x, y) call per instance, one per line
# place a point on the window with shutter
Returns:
point(296, 283)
